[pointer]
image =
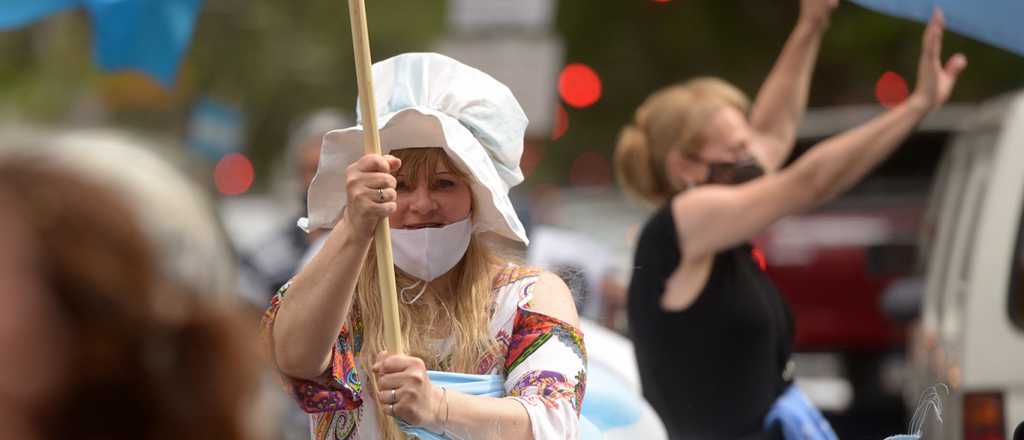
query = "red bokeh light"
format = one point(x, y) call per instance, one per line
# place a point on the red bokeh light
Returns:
point(233, 174)
point(561, 123)
point(590, 169)
point(579, 85)
point(891, 89)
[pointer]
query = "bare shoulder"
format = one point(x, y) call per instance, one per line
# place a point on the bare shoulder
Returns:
point(552, 297)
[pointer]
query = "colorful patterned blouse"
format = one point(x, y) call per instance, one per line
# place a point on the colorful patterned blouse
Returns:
point(544, 366)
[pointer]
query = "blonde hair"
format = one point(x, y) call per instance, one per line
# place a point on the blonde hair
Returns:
point(464, 303)
point(671, 118)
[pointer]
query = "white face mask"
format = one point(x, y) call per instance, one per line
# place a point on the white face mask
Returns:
point(427, 253)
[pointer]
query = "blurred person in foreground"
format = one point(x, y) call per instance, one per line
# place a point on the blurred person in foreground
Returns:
point(175, 214)
point(277, 257)
point(455, 137)
point(712, 334)
point(98, 342)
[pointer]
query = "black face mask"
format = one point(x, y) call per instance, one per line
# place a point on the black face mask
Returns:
point(734, 173)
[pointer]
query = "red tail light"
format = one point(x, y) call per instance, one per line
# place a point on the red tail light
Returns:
point(983, 416)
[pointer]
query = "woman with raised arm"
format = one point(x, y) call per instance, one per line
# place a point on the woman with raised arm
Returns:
point(455, 137)
point(713, 336)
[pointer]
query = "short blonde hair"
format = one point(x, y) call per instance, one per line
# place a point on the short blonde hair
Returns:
point(670, 118)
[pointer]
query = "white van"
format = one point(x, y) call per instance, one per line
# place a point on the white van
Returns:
point(971, 331)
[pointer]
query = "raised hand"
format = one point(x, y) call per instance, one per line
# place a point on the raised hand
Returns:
point(935, 81)
point(370, 188)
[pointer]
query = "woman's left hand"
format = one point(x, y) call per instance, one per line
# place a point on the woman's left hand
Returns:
point(817, 12)
point(405, 391)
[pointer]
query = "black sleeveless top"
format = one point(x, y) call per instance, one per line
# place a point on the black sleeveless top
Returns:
point(713, 370)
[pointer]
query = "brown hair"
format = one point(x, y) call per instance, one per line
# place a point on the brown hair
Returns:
point(145, 359)
point(464, 304)
point(670, 118)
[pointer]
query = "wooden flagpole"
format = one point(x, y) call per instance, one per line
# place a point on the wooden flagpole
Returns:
point(368, 106)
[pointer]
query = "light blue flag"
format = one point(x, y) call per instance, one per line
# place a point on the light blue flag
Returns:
point(798, 417)
point(995, 22)
point(151, 36)
point(492, 385)
point(608, 404)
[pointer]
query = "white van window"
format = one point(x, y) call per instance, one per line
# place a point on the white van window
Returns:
point(949, 219)
point(1016, 294)
point(979, 185)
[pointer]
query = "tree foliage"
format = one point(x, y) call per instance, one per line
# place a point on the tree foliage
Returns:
point(277, 60)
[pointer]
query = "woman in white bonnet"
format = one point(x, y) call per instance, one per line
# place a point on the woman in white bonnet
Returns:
point(454, 137)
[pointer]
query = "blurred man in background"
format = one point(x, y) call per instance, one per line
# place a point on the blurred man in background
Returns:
point(272, 263)
point(277, 257)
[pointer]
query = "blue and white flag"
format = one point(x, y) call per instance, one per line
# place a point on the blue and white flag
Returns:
point(487, 385)
point(150, 36)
